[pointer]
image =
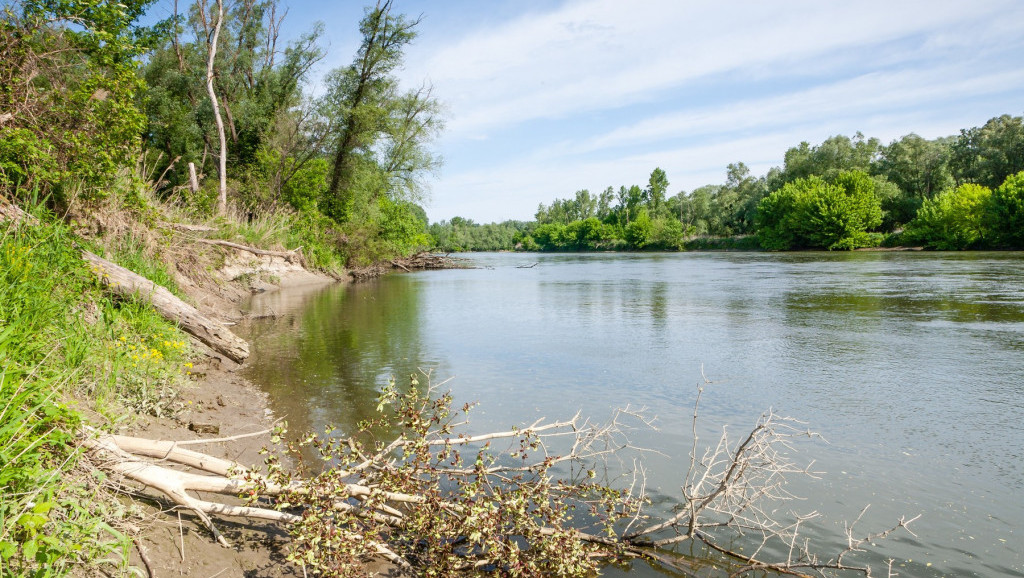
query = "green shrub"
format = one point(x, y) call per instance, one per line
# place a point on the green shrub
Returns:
point(811, 213)
point(951, 221)
point(1005, 213)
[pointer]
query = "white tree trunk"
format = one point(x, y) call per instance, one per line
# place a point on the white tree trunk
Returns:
point(222, 197)
point(125, 283)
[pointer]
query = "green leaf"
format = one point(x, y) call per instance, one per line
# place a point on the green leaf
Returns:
point(30, 548)
point(7, 549)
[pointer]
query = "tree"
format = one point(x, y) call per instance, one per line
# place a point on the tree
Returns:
point(953, 220)
point(1005, 212)
point(815, 213)
point(657, 186)
point(68, 108)
point(919, 167)
point(638, 232)
point(272, 132)
point(213, 34)
point(358, 101)
point(837, 153)
point(990, 154)
point(605, 203)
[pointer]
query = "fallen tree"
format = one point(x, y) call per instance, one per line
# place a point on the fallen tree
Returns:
point(130, 285)
point(437, 501)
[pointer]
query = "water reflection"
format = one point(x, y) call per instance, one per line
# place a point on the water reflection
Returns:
point(909, 364)
point(325, 356)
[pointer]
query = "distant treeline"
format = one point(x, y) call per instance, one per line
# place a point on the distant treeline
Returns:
point(959, 192)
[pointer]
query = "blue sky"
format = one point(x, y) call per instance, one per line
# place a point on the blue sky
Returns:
point(545, 98)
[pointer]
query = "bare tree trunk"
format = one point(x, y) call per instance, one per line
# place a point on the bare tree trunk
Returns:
point(125, 283)
point(222, 198)
point(193, 178)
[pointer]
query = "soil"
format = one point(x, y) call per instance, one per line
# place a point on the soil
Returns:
point(220, 403)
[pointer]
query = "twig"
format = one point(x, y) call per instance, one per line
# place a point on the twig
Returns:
point(144, 558)
point(222, 440)
point(181, 535)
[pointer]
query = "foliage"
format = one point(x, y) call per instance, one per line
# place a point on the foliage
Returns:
point(460, 234)
point(919, 167)
point(638, 232)
point(59, 337)
point(69, 94)
point(987, 155)
point(736, 243)
point(951, 221)
point(464, 505)
point(813, 213)
point(1005, 213)
point(835, 155)
point(376, 134)
point(258, 86)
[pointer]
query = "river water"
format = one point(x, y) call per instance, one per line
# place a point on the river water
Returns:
point(909, 365)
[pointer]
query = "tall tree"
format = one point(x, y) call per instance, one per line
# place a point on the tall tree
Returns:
point(258, 84)
point(358, 98)
point(657, 186)
point(991, 153)
point(212, 36)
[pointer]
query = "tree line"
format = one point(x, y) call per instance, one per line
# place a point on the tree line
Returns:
point(959, 192)
point(211, 107)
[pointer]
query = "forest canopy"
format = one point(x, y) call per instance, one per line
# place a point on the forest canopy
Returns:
point(844, 193)
point(212, 106)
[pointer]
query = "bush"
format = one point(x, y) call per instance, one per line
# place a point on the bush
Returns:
point(811, 213)
point(951, 221)
point(1004, 213)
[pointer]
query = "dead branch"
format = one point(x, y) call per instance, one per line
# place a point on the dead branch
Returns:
point(129, 285)
point(416, 494)
point(293, 256)
point(188, 227)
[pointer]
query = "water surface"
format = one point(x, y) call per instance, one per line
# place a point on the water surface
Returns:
point(910, 365)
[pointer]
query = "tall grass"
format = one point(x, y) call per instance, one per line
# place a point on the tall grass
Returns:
point(61, 339)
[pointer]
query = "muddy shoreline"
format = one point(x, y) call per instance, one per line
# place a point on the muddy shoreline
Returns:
point(218, 402)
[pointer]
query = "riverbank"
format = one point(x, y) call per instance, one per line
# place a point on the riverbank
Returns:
point(220, 402)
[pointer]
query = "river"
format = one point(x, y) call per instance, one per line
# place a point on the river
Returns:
point(909, 365)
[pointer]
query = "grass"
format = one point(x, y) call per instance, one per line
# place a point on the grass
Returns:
point(65, 345)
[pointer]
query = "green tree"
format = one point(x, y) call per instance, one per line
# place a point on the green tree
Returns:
point(361, 104)
point(638, 232)
point(834, 155)
point(953, 220)
point(1005, 212)
point(991, 153)
point(657, 186)
point(68, 96)
point(271, 130)
point(919, 167)
point(814, 213)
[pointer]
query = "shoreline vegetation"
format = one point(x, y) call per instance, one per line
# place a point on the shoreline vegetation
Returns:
point(193, 153)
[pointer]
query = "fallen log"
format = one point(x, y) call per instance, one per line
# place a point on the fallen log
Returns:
point(188, 227)
point(123, 455)
point(128, 284)
point(293, 256)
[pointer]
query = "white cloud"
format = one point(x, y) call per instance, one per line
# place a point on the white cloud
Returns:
point(848, 98)
point(599, 92)
point(601, 54)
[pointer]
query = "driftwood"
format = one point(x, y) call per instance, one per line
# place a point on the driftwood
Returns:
point(126, 456)
point(127, 284)
point(427, 260)
point(293, 256)
point(188, 227)
point(724, 495)
point(13, 213)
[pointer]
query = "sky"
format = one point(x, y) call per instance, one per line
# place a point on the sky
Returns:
point(544, 98)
